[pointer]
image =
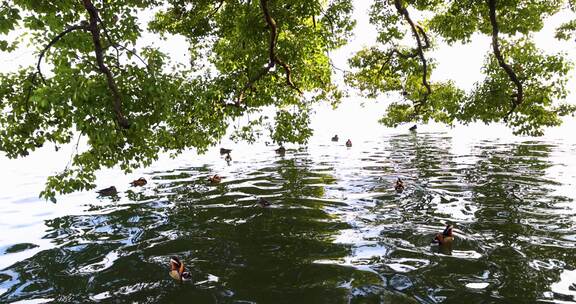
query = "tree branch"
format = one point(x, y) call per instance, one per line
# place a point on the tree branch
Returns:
point(417, 30)
point(519, 95)
point(424, 35)
point(52, 43)
point(252, 81)
point(399, 54)
point(216, 9)
point(273, 40)
point(330, 21)
point(38, 72)
point(95, 31)
point(75, 151)
point(118, 46)
point(273, 58)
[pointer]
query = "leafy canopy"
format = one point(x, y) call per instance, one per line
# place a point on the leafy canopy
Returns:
point(523, 86)
point(92, 79)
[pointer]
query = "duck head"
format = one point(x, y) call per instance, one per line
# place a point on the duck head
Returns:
point(175, 264)
point(264, 202)
point(448, 230)
point(215, 179)
point(446, 237)
point(399, 186)
point(139, 182)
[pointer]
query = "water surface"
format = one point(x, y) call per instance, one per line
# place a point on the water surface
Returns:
point(337, 232)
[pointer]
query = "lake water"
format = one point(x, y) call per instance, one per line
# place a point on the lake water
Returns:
point(336, 232)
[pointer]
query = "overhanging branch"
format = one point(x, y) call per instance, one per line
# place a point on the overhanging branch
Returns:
point(417, 31)
point(424, 36)
point(253, 81)
point(216, 9)
point(95, 31)
point(273, 58)
point(272, 48)
point(397, 52)
point(519, 95)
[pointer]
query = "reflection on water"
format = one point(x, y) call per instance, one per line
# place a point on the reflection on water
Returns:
point(336, 231)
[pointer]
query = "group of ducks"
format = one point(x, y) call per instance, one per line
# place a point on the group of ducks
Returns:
point(111, 191)
point(177, 268)
point(348, 142)
point(215, 179)
point(228, 158)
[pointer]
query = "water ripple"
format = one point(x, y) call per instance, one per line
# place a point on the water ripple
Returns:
point(336, 232)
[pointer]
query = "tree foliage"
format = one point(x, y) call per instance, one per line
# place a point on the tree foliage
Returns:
point(94, 81)
point(523, 86)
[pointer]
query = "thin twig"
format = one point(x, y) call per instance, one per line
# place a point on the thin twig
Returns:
point(111, 42)
point(252, 81)
point(74, 152)
point(399, 54)
point(52, 43)
point(424, 35)
point(135, 55)
point(216, 9)
point(38, 72)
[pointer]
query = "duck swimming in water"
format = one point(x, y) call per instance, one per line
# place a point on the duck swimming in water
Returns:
point(446, 237)
point(110, 191)
point(264, 202)
point(413, 128)
point(348, 143)
point(281, 150)
point(335, 138)
point(139, 182)
point(399, 186)
point(216, 179)
point(178, 271)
